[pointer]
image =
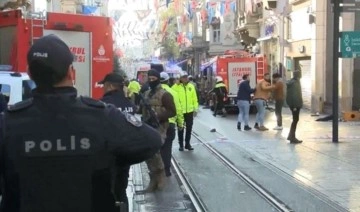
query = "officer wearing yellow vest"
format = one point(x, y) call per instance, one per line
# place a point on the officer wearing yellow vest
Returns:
point(173, 121)
point(221, 95)
point(189, 104)
point(177, 84)
point(162, 105)
point(134, 89)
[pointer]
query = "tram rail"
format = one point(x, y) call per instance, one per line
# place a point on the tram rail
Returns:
point(196, 199)
point(190, 190)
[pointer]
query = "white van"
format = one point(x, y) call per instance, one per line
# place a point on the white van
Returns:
point(15, 86)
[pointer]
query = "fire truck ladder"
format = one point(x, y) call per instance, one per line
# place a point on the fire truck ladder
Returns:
point(260, 64)
point(38, 20)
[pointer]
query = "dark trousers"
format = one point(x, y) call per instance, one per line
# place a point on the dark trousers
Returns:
point(137, 99)
point(295, 114)
point(188, 119)
point(120, 184)
point(219, 105)
point(278, 108)
point(165, 150)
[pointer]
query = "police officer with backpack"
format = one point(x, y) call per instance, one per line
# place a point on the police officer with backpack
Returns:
point(58, 149)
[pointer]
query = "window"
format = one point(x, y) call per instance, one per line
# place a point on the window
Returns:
point(289, 28)
point(216, 33)
point(5, 90)
point(28, 86)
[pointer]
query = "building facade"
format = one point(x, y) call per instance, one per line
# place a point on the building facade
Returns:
point(221, 26)
point(298, 34)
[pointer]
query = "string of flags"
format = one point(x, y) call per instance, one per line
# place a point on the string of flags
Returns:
point(212, 9)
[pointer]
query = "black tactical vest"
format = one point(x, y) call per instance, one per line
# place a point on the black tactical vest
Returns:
point(55, 153)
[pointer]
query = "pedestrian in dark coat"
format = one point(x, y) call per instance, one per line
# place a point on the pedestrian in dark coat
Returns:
point(295, 103)
point(243, 102)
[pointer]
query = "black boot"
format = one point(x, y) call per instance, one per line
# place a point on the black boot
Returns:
point(181, 146)
point(239, 126)
point(295, 141)
point(152, 184)
point(247, 128)
point(167, 172)
point(189, 147)
point(256, 126)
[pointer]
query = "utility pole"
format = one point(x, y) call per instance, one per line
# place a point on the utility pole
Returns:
point(282, 38)
point(335, 97)
point(195, 35)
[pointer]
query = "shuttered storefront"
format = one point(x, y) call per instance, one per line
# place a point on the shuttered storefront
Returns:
point(305, 66)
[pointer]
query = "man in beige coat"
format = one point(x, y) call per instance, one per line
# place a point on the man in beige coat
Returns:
point(261, 95)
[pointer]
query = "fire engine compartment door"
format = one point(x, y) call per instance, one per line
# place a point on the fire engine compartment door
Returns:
point(236, 70)
point(79, 43)
point(7, 35)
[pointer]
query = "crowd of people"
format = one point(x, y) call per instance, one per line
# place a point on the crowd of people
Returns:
point(280, 92)
point(61, 152)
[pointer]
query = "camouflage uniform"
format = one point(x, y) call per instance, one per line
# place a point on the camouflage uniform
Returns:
point(155, 164)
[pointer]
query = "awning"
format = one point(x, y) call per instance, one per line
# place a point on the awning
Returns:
point(178, 63)
point(265, 38)
point(209, 63)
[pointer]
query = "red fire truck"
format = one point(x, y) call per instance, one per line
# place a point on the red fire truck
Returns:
point(232, 66)
point(89, 38)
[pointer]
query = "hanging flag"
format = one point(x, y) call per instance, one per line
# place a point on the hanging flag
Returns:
point(203, 15)
point(176, 5)
point(118, 52)
point(180, 38)
point(189, 35)
point(183, 19)
point(178, 23)
point(151, 23)
point(89, 10)
point(165, 24)
point(186, 11)
point(112, 21)
point(227, 6)
point(194, 4)
point(190, 11)
point(156, 5)
point(222, 8)
point(233, 6)
point(211, 14)
point(248, 6)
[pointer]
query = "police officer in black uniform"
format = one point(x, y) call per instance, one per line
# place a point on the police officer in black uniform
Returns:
point(114, 94)
point(3, 106)
point(58, 149)
point(3, 102)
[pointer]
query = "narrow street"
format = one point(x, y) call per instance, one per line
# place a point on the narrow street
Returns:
point(317, 175)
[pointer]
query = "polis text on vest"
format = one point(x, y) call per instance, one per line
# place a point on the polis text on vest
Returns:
point(57, 145)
